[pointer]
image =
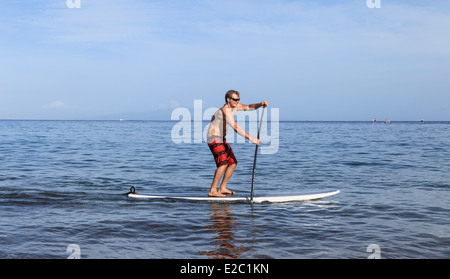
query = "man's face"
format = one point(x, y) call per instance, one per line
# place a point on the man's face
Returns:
point(234, 100)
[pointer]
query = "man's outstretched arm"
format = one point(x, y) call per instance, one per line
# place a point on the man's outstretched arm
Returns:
point(252, 106)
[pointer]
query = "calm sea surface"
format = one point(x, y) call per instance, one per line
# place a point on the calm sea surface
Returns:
point(63, 183)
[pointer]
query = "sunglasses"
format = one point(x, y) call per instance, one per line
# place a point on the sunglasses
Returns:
point(236, 100)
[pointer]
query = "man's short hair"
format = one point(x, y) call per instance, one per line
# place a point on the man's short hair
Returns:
point(229, 93)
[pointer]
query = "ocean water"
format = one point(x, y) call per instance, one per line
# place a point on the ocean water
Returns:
point(63, 185)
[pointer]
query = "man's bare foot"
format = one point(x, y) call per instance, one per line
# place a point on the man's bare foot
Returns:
point(227, 192)
point(216, 194)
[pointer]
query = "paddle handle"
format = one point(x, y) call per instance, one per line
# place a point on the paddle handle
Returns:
point(256, 153)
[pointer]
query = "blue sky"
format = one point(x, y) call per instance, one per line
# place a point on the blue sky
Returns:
point(136, 59)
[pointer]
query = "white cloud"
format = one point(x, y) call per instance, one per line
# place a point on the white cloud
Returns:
point(171, 105)
point(56, 105)
point(97, 21)
point(312, 24)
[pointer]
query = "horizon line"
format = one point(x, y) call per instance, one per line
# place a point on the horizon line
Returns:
point(169, 120)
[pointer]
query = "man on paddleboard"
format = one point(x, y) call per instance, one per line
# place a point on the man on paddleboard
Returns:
point(221, 150)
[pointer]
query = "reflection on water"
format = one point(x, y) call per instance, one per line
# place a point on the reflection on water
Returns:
point(223, 225)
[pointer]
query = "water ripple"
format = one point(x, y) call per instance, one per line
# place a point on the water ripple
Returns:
point(63, 182)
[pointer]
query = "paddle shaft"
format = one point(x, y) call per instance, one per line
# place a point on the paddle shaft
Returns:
point(256, 153)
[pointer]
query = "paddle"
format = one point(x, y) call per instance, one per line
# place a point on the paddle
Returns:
point(256, 153)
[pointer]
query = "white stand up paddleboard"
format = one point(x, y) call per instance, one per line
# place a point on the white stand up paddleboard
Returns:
point(245, 199)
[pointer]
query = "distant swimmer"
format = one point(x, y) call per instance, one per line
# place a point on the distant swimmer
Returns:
point(374, 121)
point(421, 120)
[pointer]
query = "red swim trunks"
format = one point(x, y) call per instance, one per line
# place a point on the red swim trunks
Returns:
point(223, 154)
